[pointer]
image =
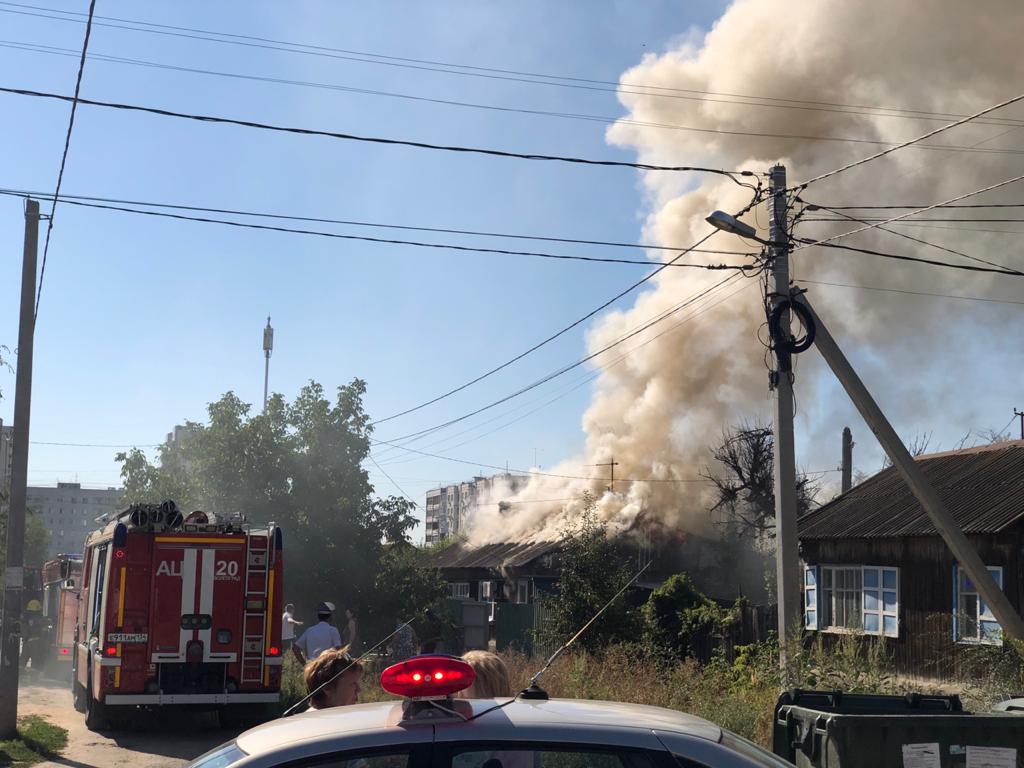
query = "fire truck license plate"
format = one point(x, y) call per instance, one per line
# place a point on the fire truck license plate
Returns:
point(124, 637)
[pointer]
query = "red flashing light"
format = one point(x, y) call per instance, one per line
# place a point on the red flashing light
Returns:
point(428, 677)
point(64, 651)
point(111, 650)
point(274, 651)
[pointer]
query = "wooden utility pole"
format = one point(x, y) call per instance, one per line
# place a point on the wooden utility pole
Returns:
point(14, 575)
point(611, 464)
point(847, 465)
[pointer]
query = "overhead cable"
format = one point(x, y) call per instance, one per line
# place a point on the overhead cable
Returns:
point(64, 157)
point(499, 108)
point(915, 212)
point(560, 371)
point(392, 241)
point(946, 249)
point(548, 340)
point(536, 78)
point(947, 264)
point(912, 293)
point(910, 142)
point(377, 139)
point(369, 224)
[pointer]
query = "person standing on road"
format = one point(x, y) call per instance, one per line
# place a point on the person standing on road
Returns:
point(288, 625)
point(404, 645)
point(322, 636)
point(351, 631)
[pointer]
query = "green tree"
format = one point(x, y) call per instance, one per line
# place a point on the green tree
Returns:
point(593, 570)
point(298, 464)
point(677, 615)
point(406, 590)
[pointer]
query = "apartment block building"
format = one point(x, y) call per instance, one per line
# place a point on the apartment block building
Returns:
point(69, 512)
point(449, 507)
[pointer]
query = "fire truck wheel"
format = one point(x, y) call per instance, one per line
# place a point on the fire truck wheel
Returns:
point(96, 718)
point(78, 696)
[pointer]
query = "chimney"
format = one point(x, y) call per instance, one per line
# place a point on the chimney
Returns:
point(847, 467)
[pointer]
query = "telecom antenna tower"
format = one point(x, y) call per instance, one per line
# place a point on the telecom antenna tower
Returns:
point(268, 347)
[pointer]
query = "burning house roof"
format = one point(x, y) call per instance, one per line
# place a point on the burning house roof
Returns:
point(493, 556)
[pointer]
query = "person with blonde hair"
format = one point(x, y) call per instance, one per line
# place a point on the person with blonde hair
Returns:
point(492, 678)
point(343, 689)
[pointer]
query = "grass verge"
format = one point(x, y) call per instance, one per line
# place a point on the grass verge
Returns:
point(38, 740)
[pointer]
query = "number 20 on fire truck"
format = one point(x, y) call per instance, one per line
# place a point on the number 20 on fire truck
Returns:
point(178, 612)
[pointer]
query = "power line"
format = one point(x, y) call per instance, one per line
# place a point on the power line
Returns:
point(392, 241)
point(913, 293)
point(910, 142)
point(375, 225)
point(562, 370)
point(563, 81)
point(584, 380)
point(389, 477)
point(914, 212)
point(950, 265)
point(52, 50)
point(547, 340)
point(941, 221)
point(64, 157)
point(98, 445)
point(946, 249)
point(899, 207)
point(378, 139)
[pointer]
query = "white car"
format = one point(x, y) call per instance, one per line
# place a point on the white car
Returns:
point(525, 732)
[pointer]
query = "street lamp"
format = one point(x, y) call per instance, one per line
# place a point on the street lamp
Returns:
point(732, 225)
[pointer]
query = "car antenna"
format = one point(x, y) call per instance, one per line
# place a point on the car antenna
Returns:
point(534, 691)
point(291, 710)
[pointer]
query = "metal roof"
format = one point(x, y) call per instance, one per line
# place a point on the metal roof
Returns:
point(545, 722)
point(507, 555)
point(983, 488)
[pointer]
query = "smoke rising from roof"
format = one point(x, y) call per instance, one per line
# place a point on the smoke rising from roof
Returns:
point(658, 410)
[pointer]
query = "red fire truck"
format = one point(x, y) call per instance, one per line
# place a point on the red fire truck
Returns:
point(62, 578)
point(179, 611)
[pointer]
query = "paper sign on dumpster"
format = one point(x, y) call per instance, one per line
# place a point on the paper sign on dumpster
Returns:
point(991, 757)
point(921, 755)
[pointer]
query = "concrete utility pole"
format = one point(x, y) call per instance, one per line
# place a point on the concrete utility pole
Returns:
point(966, 555)
point(1020, 415)
point(787, 554)
point(268, 347)
point(14, 575)
point(847, 459)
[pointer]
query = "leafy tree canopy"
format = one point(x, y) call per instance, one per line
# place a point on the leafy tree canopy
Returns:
point(300, 465)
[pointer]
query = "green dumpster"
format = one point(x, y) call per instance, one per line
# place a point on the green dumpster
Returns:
point(816, 729)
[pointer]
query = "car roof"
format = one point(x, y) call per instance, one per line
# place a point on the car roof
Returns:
point(613, 721)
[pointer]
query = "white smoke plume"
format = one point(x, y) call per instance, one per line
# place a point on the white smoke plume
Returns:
point(659, 410)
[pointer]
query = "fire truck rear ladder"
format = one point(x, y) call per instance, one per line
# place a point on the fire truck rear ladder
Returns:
point(256, 596)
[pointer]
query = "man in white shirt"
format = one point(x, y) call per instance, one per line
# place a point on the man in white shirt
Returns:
point(321, 637)
point(288, 625)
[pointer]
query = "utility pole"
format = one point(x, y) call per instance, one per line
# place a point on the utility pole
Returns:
point(1020, 414)
point(787, 556)
point(14, 575)
point(611, 464)
point(847, 459)
point(964, 552)
point(268, 347)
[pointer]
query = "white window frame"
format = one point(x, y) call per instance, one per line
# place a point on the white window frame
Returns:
point(988, 630)
point(486, 590)
point(459, 590)
point(523, 591)
point(878, 599)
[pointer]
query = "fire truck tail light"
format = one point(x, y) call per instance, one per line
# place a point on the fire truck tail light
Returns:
point(111, 650)
point(119, 554)
point(274, 651)
point(428, 677)
point(65, 651)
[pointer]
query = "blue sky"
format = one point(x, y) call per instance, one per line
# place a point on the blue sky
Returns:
point(144, 321)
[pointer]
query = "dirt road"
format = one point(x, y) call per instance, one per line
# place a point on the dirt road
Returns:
point(150, 743)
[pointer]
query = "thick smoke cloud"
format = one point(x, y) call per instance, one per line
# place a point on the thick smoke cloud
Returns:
point(660, 409)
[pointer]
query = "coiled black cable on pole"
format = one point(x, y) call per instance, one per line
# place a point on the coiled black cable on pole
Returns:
point(785, 347)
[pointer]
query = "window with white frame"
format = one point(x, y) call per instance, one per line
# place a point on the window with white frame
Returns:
point(523, 591)
point(852, 597)
point(459, 590)
point(973, 620)
point(486, 590)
